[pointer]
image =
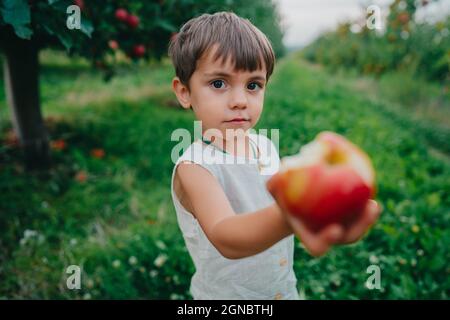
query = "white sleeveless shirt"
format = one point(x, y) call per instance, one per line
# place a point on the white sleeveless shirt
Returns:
point(266, 275)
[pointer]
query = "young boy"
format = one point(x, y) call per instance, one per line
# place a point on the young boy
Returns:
point(241, 241)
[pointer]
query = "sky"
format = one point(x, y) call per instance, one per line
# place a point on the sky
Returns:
point(304, 20)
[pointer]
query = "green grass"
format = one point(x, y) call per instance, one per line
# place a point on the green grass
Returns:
point(123, 210)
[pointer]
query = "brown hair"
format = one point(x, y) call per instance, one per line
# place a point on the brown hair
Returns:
point(236, 36)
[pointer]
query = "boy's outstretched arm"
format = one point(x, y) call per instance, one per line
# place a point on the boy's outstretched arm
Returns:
point(233, 235)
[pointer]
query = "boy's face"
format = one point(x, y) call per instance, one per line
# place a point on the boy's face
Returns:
point(219, 94)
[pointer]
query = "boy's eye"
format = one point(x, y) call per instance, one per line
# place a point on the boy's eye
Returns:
point(217, 84)
point(253, 86)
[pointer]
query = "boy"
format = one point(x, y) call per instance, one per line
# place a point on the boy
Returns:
point(240, 239)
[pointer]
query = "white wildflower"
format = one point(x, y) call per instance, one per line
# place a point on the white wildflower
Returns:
point(373, 259)
point(41, 238)
point(132, 260)
point(161, 245)
point(336, 282)
point(116, 264)
point(87, 296)
point(160, 260)
point(90, 283)
point(302, 294)
point(29, 233)
point(153, 273)
point(174, 296)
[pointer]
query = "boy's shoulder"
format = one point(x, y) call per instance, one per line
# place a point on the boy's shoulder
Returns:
point(269, 159)
point(191, 152)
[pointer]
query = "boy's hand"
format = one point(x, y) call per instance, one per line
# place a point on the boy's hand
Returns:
point(318, 243)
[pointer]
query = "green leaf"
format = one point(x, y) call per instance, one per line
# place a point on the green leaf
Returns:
point(390, 230)
point(17, 14)
point(23, 32)
point(63, 37)
point(86, 27)
point(51, 2)
point(66, 40)
point(165, 25)
point(48, 29)
point(436, 263)
point(60, 5)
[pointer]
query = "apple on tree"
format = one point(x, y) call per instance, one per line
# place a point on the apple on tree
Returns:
point(132, 21)
point(138, 50)
point(79, 3)
point(329, 181)
point(113, 44)
point(121, 14)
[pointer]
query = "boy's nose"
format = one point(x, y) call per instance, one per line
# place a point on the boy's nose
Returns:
point(238, 99)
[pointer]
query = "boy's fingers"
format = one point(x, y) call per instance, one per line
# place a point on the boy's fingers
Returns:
point(333, 233)
point(316, 243)
point(270, 184)
point(357, 230)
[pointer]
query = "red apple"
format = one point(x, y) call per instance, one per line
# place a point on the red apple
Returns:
point(113, 44)
point(121, 14)
point(329, 181)
point(79, 3)
point(132, 21)
point(138, 50)
point(403, 17)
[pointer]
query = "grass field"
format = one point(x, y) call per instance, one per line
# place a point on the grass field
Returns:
point(112, 214)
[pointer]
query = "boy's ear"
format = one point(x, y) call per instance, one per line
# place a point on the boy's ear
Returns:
point(182, 93)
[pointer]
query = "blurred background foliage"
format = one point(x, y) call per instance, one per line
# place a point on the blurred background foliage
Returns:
point(105, 202)
point(421, 49)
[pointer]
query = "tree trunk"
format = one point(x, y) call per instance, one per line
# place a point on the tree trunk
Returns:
point(21, 72)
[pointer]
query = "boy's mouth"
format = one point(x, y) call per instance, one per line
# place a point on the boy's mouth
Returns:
point(238, 120)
